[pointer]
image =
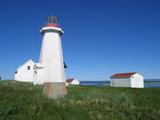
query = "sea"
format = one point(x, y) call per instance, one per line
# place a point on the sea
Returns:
point(148, 83)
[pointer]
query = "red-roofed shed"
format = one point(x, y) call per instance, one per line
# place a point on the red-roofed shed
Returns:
point(131, 79)
point(72, 81)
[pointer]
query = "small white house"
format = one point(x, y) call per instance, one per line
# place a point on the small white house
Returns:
point(133, 80)
point(72, 82)
point(25, 73)
point(30, 72)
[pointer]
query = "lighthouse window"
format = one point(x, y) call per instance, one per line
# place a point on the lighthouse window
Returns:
point(28, 67)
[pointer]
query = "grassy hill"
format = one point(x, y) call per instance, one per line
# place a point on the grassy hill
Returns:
point(23, 101)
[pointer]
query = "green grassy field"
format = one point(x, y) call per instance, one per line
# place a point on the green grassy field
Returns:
point(23, 101)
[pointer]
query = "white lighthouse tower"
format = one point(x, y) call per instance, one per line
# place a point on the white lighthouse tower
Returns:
point(50, 69)
point(51, 59)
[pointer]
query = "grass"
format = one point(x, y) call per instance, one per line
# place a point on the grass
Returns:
point(23, 101)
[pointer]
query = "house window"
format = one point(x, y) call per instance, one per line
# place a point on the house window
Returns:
point(28, 67)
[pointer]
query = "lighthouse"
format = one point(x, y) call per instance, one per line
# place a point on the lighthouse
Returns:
point(49, 71)
point(51, 59)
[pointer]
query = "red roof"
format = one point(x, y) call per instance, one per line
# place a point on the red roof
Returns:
point(123, 75)
point(69, 80)
point(52, 25)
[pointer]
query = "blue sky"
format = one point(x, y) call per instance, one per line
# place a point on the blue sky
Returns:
point(101, 37)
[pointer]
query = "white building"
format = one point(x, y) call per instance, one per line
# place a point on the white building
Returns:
point(25, 72)
point(51, 66)
point(133, 80)
point(72, 82)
